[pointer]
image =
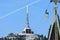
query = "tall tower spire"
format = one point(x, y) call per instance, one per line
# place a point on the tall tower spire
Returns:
point(27, 28)
point(27, 21)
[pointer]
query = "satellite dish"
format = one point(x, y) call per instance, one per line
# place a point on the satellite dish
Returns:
point(46, 14)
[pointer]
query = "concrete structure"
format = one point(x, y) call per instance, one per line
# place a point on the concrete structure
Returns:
point(27, 33)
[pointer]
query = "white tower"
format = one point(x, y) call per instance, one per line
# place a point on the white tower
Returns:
point(27, 28)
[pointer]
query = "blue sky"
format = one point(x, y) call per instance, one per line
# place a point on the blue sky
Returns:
point(13, 19)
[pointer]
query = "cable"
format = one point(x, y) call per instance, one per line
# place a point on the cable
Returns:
point(48, 6)
point(13, 12)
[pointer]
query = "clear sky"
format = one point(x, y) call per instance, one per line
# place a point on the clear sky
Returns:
point(13, 18)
